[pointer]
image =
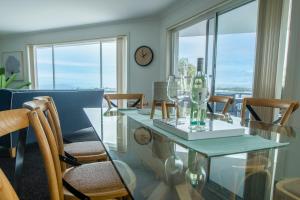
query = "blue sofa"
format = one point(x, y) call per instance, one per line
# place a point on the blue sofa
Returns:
point(69, 103)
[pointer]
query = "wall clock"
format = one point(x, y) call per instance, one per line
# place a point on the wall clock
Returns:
point(143, 56)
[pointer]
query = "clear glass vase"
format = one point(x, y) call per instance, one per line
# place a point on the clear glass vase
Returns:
point(195, 175)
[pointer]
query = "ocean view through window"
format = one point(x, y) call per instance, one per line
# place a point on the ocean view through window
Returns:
point(227, 42)
point(83, 65)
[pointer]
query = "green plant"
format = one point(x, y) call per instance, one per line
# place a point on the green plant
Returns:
point(186, 68)
point(5, 82)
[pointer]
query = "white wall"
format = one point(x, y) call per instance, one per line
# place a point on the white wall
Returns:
point(140, 32)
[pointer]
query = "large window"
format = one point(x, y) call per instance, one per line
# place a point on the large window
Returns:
point(226, 40)
point(87, 65)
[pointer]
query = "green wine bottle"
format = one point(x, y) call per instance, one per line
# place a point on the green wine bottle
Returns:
point(199, 96)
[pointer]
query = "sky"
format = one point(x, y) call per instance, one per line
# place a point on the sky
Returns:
point(235, 57)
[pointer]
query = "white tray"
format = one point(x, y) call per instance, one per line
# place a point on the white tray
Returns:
point(213, 129)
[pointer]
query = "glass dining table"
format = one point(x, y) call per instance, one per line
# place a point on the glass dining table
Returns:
point(155, 166)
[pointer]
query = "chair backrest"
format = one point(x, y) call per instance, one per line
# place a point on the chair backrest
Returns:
point(49, 151)
point(46, 98)
point(13, 120)
point(286, 106)
point(49, 111)
point(226, 100)
point(6, 190)
point(53, 119)
point(137, 96)
point(18, 119)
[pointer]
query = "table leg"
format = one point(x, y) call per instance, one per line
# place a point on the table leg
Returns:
point(153, 109)
point(20, 157)
point(208, 169)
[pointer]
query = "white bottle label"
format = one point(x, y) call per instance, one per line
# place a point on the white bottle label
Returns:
point(202, 98)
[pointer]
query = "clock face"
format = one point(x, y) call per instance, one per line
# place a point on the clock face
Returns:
point(143, 56)
point(142, 136)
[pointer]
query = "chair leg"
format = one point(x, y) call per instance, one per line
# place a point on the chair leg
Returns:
point(168, 112)
point(177, 111)
point(153, 109)
point(163, 109)
point(12, 152)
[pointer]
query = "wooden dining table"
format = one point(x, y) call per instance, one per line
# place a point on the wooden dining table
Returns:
point(156, 165)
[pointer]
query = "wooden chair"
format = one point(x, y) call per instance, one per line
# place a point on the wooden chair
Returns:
point(11, 121)
point(87, 151)
point(288, 106)
point(164, 108)
point(288, 189)
point(248, 181)
point(139, 103)
point(6, 190)
point(95, 181)
point(226, 100)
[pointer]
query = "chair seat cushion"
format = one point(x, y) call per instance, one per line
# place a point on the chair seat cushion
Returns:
point(293, 187)
point(84, 148)
point(96, 179)
point(85, 134)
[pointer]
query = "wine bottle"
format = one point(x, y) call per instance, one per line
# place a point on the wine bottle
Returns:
point(199, 96)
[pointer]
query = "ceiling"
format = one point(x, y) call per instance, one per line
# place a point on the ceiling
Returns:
point(34, 15)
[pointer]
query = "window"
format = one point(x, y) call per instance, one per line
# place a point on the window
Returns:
point(87, 65)
point(236, 40)
point(226, 39)
point(109, 51)
point(191, 45)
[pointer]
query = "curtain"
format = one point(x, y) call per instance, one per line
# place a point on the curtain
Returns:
point(267, 53)
point(121, 68)
point(268, 39)
point(121, 64)
point(31, 66)
point(122, 88)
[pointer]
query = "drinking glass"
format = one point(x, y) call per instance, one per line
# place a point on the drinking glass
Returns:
point(176, 90)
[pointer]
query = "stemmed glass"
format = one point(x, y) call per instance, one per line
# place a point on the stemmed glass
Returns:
point(176, 90)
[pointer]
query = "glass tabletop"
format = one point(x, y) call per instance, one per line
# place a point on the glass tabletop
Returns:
point(153, 166)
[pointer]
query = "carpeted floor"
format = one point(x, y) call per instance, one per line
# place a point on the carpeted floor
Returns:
point(34, 180)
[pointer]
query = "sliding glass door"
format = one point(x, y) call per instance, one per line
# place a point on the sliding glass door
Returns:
point(226, 40)
point(235, 53)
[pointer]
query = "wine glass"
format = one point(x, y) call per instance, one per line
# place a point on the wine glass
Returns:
point(176, 90)
point(173, 166)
